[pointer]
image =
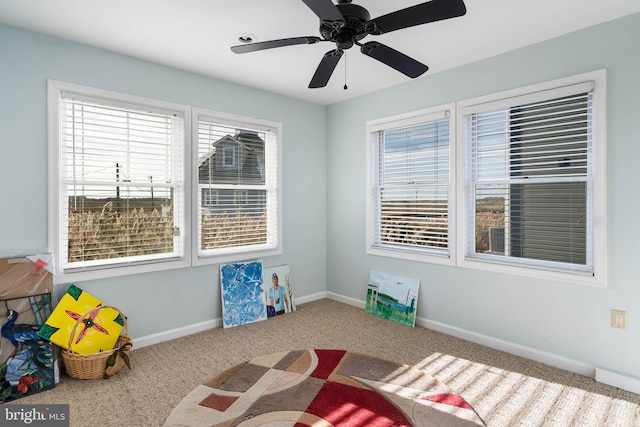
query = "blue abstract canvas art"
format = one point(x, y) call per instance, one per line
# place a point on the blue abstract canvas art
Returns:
point(242, 293)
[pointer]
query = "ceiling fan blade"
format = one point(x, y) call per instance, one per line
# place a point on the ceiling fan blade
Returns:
point(431, 11)
point(394, 59)
point(270, 44)
point(326, 11)
point(325, 69)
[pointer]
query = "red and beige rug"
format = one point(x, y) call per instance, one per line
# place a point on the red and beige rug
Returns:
point(322, 388)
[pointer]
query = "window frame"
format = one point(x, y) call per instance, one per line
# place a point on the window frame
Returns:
point(372, 161)
point(109, 269)
point(235, 253)
point(597, 278)
point(458, 206)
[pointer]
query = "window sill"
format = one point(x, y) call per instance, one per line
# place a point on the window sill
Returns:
point(82, 275)
point(430, 258)
point(574, 277)
point(237, 256)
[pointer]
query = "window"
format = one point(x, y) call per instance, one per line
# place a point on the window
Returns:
point(511, 182)
point(409, 186)
point(237, 160)
point(126, 197)
point(117, 180)
point(228, 156)
point(534, 178)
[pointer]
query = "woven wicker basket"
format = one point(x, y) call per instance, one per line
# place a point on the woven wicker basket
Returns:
point(94, 366)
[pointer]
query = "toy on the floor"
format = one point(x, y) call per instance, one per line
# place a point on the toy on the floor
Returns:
point(100, 328)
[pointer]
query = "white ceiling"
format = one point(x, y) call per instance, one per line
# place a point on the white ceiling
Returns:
point(195, 35)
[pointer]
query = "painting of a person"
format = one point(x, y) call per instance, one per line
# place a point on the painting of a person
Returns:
point(278, 296)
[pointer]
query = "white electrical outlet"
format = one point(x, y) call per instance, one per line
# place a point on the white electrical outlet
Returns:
point(618, 319)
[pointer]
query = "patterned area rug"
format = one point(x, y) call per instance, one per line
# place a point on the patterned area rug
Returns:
point(322, 388)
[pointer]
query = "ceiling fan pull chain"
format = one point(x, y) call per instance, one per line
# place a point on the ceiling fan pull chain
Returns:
point(345, 71)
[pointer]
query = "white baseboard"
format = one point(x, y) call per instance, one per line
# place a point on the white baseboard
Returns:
point(309, 298)
point(176, 333)
point(202, 326)
point(347, 300)
point(547, 358)
point(601, 375)
point(618, 380)
point(517, 349)
point(621, 381)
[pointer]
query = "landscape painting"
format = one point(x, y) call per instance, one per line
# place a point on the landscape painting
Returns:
point(392, 297)
point(242, 293)
point(279, 290)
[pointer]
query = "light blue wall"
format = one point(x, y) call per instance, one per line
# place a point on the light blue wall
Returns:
point(171, 299)
point(324, 199)
point(568, 320)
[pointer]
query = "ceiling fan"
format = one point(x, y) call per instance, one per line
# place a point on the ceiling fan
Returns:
point(346, 24)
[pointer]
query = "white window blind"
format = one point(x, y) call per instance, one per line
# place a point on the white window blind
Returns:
point(237, 172)
point(530, 198)
point(120, 182)
point(411, 180)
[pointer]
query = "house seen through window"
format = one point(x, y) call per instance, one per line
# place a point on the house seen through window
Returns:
point(237, 165)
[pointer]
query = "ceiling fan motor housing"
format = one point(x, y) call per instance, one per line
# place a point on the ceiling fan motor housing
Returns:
point(354, 29)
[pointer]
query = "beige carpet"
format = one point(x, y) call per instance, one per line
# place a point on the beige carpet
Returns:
point(506, 390)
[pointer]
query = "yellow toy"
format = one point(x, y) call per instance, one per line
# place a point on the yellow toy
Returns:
point(99, 329)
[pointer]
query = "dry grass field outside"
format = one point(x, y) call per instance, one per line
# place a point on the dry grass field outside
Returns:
point(399, 225)
point(415, 230)
point(225, 230)
point(106, 233)
point(489, 214)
